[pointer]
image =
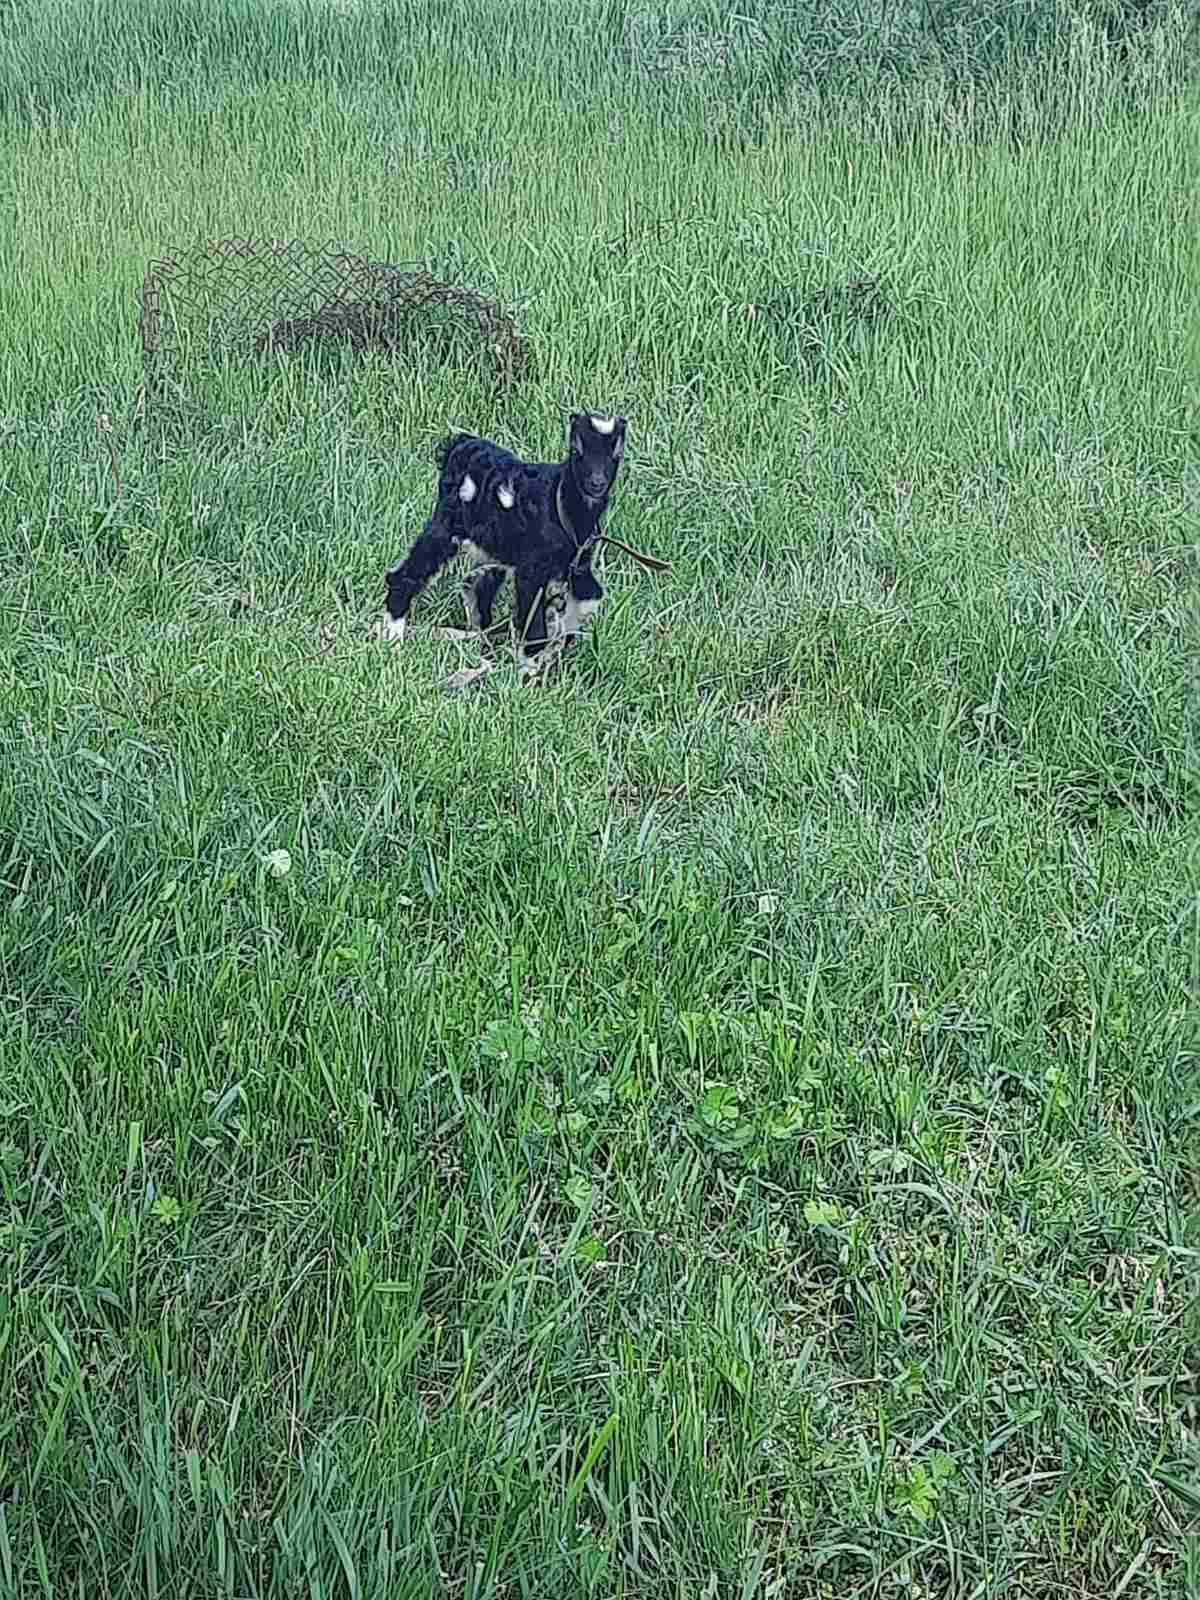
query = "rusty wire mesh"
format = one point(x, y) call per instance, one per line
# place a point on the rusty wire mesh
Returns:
point(246, 297)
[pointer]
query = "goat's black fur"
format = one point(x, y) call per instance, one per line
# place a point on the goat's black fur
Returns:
point(536, 520)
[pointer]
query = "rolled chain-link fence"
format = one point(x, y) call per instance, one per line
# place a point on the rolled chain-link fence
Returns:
point(241, 298)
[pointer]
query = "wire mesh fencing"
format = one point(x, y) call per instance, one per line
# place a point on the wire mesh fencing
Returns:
point(240, 299)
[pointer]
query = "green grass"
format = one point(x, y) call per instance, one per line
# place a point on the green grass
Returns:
point(726, 1122)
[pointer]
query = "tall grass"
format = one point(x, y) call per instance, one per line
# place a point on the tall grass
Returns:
point(724, 1123)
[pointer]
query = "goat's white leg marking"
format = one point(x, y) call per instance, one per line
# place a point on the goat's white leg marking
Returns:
point(468, 488)
point(578, 614)
point(507, 496)
point(391, 629)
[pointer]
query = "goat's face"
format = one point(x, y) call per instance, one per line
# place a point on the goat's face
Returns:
point(597, 445)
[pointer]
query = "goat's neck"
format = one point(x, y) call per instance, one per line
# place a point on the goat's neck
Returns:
point(581, 516)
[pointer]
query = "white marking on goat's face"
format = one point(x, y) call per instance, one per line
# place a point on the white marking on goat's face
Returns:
point(604, 425)
point(468, 489)
point(507, 496)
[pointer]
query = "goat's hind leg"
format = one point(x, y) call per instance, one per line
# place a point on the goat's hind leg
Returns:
point(480, 588)
point(431, 552)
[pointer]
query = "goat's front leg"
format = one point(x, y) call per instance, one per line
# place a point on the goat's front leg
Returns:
point(546, 634)
point(529, 614)
point(585, 592)
point(424, 561)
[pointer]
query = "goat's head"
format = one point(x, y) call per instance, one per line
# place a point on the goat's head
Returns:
point(597, 445)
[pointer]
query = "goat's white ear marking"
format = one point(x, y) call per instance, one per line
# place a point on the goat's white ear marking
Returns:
point(507, 496)
point(468, 488)
point(604, 424)
point(618, 448)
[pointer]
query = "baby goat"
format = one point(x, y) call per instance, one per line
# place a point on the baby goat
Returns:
point(538, 521)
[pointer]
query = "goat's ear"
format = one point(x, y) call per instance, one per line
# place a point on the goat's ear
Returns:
point(576, 432)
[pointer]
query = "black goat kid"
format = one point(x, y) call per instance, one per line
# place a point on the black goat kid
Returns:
point(536, 520)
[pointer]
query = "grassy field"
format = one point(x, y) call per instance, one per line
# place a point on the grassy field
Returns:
point(725, 1123)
